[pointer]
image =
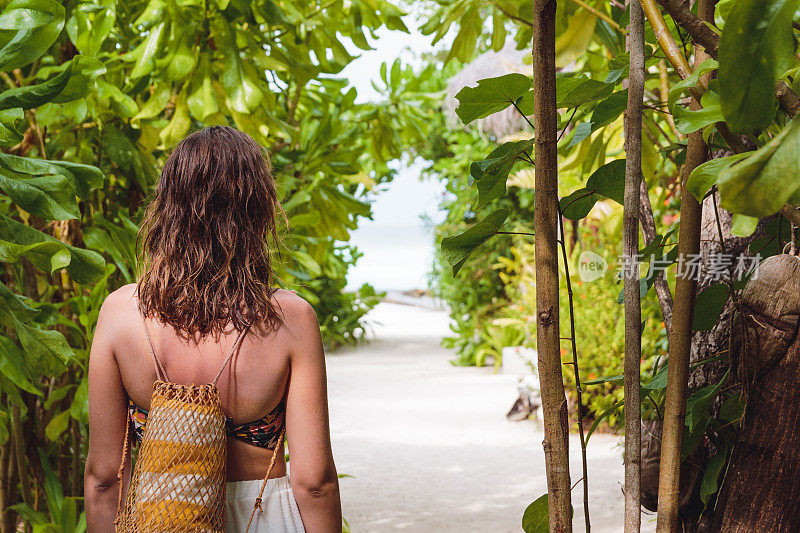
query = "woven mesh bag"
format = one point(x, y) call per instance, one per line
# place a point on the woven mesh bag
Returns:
point(178, 481)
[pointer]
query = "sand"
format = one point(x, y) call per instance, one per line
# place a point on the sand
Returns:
point(428, 444)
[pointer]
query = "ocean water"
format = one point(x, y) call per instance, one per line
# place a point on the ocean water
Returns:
point(397, 243)
point(395, 257)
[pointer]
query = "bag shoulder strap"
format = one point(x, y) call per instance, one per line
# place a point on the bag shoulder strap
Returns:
point(160, 372)
point(257, 506)
point(231, 352)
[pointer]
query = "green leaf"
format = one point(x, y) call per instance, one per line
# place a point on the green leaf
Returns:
point(57, 426)
point(123, 105)
point(52, 486)
point(490, 96)
point(69, 514)
point(145, 53)
point(155, 104)
point(24, 17)
point(536, 518)
point(117, 241)
point(456, 249)
point(14, 366)
point(608, 379)
point(184, 56)
point(659, 381)
point(178, 125)
point(33, 36)
point(202, 100)
point(743, 225)
point(4, 434)
point(575, 39)
point(698, 403)
point(582, 130)
point(90, 25)
point(9, 134)
point(244, 95)
point(29, 514)
point(498, 30)
point(688, 121)
point(606, 112)
point(609, 109)
point(607, 181)
point(705, 175)
point(85, 266)
point(465, 43)
point(32, 96)
point(761, 184)
point(491, 174)
point(756, 47)
point(80, 403)
point(50, 197)
point(710, 485)
point(47, 350)
point(574, 92)
point(605, 414)
point(732, 408)
point(685, 85)
point(709, 305)
point(82, 178)
point(84, 71)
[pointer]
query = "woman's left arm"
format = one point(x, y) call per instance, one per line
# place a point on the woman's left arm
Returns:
point(108, 412)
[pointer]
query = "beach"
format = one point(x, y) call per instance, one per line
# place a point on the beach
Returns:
point(428, 445)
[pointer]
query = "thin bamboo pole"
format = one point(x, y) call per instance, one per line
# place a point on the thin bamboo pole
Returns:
point(554, 402)
point(578, 389)
point(680, 340)
point(630, 248)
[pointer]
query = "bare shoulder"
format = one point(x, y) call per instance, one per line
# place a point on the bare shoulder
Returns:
point(117, 307)
point(298, 315)
point(293, 306)
point(120, 300)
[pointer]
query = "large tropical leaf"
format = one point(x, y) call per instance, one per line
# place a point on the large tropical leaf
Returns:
point(27, 29)
point(490, 96)
point(761, 184)
point(756, 47)
point(456, 249)
point(491, 173)
point(31, 96)
point(44, 251)
point(607, 181)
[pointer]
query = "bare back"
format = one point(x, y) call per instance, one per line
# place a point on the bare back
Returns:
point(251, 385)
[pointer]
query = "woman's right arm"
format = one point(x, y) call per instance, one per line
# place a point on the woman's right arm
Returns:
point(313, 474)
point(108, 412)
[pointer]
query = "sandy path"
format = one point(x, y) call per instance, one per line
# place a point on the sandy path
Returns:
point(428, 443)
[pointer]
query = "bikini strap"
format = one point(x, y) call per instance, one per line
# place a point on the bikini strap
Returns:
point(160, 372)
point(232, 350)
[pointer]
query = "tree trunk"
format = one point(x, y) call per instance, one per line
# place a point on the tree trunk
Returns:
point(762, 484)
point(630, 249)
point(554, 402)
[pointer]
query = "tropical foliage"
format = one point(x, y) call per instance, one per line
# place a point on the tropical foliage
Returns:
point(745, 103)
point(97, 92)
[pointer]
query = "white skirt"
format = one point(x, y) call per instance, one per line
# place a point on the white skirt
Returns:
point(279, 512)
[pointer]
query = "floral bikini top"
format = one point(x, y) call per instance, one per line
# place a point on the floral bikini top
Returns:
point(264, 432)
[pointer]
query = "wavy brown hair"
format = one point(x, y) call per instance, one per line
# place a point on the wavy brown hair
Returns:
point(205, 235)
